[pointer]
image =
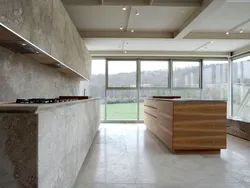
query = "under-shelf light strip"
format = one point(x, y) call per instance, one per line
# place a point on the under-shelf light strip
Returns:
point(40, 50)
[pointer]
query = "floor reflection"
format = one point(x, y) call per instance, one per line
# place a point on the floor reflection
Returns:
point(128, 155)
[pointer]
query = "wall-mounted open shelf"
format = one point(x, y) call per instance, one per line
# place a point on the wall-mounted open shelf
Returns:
point(14, 42)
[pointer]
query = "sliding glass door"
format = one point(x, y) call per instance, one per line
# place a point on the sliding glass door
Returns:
point(121, 94)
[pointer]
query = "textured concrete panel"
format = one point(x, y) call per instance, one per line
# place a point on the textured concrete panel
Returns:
point(22, 77)
point(47, 25)
point(41, 29)
point(47, 149)
point(66, 135)
point(17, 15)
point(58, 31)
point(18, 150)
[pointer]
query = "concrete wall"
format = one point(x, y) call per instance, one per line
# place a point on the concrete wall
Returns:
point(47, 24)
point(22, 77)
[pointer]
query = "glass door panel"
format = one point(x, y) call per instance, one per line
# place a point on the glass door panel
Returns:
point(121, 105)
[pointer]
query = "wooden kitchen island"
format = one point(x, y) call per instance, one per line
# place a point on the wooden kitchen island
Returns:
point(187, 125)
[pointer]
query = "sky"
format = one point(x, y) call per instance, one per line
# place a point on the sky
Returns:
point(98, 66)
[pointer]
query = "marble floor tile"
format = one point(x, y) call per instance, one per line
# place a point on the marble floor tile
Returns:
point(108, 185)
point(129, 156)
point(220, 185)
point(247, 185)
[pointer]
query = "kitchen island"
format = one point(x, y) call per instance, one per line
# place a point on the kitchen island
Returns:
point(187, 125)
point(44, 145)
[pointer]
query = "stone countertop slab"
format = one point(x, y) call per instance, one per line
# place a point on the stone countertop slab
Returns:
point(37, 108)
point(187, 100)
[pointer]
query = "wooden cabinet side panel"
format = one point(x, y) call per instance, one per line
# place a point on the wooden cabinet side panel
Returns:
point(165, 122)
point(199, 125)
point(158, 119)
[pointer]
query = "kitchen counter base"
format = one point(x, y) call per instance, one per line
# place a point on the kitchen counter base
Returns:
point(46, 148)
point(187, 126)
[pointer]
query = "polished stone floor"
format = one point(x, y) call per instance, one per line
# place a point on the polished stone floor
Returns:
point(128, 156)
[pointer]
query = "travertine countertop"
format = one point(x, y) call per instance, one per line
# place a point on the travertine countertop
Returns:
point(34, 108)
point(187, 100)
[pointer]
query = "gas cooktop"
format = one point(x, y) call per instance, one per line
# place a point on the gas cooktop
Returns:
point(42, 100)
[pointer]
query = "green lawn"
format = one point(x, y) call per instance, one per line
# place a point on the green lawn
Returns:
point(126, 111)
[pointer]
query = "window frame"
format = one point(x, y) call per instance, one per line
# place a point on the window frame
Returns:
point(170, 89)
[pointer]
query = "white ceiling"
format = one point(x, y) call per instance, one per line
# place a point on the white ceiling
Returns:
point(163, 45)
point(103, 18)
point(96, 18)
point(159, 18)
point(227, 17)
point(166, 19)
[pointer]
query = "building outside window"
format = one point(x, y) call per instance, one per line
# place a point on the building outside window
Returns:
point(241, 88)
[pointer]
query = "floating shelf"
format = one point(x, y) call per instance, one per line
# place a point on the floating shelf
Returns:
point(14, 42)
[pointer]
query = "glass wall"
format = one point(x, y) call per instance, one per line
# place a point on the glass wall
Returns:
point(121, 105)
point(187, 93)
point(215, 79)
point(186, 74)
point(122, 74)
point(154, 73)
point(124, 84)
point(241, 88)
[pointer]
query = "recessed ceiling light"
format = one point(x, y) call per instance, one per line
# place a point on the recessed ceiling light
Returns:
point(125, 52)
point(241, 31)
point(24, 44)
point(212, 41)
point(227, 33)
point(124, 8)
point(121, 28)
point(137, 13)
point(132, 31)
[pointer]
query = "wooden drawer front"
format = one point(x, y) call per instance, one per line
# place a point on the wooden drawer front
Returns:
point(150, 103)
point(158, 130)
point(165, 136)
point(150, 122)
point(166, 108)
point(150, 110)
point(165, 121)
